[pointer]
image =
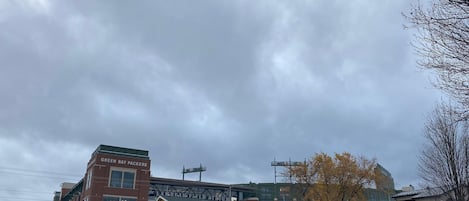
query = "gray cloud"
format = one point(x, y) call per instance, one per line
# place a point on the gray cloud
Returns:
point(227, 84)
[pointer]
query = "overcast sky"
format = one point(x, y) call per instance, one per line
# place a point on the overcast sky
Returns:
point(229, 84)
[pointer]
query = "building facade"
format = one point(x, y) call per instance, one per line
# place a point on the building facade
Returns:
point(295, 191)
point(113, 174)
point(123, 174)
point(426, 194)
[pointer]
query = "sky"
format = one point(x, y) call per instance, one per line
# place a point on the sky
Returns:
point(231, 85)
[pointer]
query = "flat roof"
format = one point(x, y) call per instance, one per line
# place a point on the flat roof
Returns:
point(188, 183)
point(75, 190)
point(122, 151)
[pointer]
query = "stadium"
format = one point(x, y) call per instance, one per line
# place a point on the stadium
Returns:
point(123, 174)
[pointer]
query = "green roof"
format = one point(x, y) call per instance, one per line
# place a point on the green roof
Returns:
point(122, 151)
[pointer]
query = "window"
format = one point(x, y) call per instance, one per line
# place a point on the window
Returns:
point(88, 179)
point(122, 178)
point(128, 180)
point(116, 198)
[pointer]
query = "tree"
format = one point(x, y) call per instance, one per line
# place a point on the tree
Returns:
point(334, 179)
point(443, 44)
point(444, 161)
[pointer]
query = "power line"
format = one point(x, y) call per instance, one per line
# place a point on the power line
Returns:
point(19, 191)
point(37, 175)
point(38, 171)
point(21, 198)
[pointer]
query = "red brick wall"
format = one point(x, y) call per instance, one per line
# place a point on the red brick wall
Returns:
point(100, 165)
point(63, 192)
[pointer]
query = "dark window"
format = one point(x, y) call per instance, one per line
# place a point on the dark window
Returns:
point(113, 198)
point(116, 179)
point(122, 179)
point(128, 180)
point(108, 198)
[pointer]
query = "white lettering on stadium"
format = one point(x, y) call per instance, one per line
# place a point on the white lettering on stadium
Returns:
point(124, 162)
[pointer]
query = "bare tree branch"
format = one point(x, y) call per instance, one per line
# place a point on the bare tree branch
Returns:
point(443, 44)
point(444, 160)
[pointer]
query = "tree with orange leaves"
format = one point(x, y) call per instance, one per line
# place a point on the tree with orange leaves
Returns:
point(339, 178)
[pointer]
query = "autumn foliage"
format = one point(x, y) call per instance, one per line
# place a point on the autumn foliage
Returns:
point(339, 178)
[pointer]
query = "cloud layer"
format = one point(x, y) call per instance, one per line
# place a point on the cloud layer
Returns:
point(229, 84)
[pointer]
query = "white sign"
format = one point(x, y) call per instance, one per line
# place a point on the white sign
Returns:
point(124, 162)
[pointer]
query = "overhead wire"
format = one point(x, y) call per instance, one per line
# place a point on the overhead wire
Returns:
point(20, 191)
point(5, 192)
point(38, 173)
point(20, 198)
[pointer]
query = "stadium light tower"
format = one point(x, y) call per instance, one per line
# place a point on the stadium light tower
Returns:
point(199, 169)
point(288, 163)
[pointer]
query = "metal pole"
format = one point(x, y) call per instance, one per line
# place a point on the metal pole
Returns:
point(289, 171)
point(230, 194)
point(275, 172)
point(200, 173)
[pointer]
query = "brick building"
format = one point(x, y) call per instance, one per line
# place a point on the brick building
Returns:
point(113, 174)
point(123, 174)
